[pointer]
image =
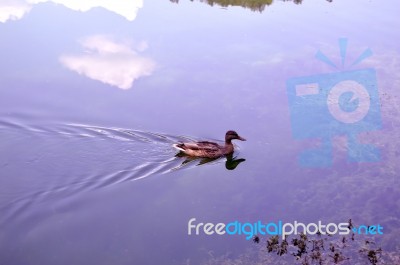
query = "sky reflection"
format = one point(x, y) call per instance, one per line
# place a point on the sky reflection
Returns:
point(16, 9)
point(113, 63)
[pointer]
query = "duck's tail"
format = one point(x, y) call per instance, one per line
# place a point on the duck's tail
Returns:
point(179, 147)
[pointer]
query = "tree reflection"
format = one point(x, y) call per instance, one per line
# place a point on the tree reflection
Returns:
point(254, 5)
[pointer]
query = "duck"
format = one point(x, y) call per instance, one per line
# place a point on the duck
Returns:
point(205, 149)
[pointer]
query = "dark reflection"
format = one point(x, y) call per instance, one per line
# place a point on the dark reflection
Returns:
point(254, 5)
point(230, 164)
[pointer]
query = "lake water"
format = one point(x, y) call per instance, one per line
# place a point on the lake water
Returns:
point(92, 97)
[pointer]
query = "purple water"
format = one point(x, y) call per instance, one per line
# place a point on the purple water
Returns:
point(91, 102)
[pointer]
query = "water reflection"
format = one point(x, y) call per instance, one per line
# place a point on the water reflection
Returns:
point(16, 9)
point(110, 62)
point(230, 164)
point(254, 5)
point(13, 10)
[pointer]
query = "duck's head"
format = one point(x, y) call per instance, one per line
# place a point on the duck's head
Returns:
point(232, 135)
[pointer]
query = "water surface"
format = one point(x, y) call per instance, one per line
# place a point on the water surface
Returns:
point(91, 102)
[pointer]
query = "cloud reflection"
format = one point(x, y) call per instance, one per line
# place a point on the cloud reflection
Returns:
point(113, 63)
point(16, 9)
point(13, 10)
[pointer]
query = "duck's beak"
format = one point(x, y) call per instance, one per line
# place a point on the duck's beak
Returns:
point(241, 138)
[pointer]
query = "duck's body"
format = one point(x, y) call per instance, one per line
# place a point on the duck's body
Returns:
point(209, 149)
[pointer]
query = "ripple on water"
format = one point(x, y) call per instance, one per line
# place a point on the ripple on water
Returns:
point(68, 159)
